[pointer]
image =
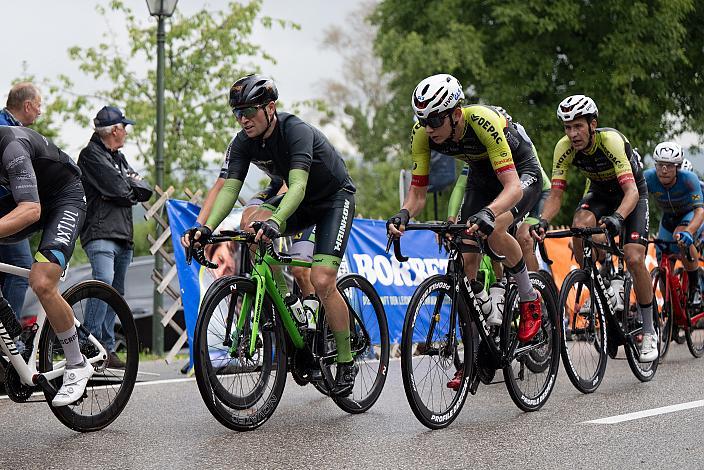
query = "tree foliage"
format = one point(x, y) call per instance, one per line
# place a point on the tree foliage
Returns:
point(204, 54)
point(639, 60)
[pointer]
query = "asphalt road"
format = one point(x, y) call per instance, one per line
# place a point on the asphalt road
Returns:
point(166, 425)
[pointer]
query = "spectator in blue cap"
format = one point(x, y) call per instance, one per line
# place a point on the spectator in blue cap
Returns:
point(107, 232)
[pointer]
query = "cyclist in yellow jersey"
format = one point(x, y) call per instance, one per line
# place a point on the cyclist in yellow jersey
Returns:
point(617, 196)
point(504, 182)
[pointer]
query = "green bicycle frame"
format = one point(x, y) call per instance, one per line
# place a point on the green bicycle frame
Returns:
point(264, 280)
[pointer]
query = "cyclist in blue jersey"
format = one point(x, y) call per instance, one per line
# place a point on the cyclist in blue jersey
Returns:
point(678, 193)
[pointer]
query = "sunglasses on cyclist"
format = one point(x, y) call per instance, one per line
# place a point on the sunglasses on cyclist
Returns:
point(248, 112)
point(668, 166)
point(433, 121)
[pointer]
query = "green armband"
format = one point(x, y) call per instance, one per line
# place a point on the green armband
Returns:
point(297, 182)
point(453, 208)
point(224, 202)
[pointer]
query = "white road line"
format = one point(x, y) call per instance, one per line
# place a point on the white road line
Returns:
point(646, 413)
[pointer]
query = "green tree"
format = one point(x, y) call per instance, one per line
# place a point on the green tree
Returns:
point(204, 54)
point(360, 103)
point(640, 61)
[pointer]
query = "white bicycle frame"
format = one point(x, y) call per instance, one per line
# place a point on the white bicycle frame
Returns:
point(27, 371)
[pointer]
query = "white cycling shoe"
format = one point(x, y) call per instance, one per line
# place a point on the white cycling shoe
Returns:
point(75, 381)
point(649, 348)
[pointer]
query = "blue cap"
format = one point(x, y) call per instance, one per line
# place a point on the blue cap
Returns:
point(109, 116)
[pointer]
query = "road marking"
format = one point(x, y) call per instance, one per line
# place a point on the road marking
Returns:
point(647, 413)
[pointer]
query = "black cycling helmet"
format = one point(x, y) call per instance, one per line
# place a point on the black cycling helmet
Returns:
point(253, 90)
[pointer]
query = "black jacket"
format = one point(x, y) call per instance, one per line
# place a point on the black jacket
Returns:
point(108, 193)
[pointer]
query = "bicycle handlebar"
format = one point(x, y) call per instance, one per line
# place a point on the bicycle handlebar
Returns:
point(233, 235)
point(665, 244)
point(443, 229)
point(588, 232)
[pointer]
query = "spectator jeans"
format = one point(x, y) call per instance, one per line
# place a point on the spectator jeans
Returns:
point(14, 288)
point(109, 260)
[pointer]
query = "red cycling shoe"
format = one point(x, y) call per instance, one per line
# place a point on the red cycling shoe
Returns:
point(456, 381)
point(531, 318)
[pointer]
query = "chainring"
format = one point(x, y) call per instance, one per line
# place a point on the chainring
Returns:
point(16, 390)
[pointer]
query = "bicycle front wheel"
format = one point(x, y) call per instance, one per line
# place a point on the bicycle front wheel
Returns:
point(240, 389)
point(432, 353)
point(584, 332)
point(109, 390)
point(664, 307)
point(369, 338)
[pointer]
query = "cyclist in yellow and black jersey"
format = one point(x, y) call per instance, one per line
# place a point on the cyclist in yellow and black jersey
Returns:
point(617, 196)
point(503, 184)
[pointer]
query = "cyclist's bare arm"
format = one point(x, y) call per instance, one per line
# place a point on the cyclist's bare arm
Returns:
point(630, 198)
point(25, 214)
point(414, 203)
point(550, 209)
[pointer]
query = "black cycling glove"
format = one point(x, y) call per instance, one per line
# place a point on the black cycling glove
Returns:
point(542, 225)
point(613, 223)
point(270, 229)
point(485, 219)
point(399, 219)
point(205, 234)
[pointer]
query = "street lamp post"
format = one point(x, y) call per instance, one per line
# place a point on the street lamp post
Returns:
point(161, 9)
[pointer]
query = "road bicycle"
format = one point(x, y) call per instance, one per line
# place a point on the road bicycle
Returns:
point(593, 328)
point(442, 324)
point(40, 366)
point(676, 313)
point(246, 339)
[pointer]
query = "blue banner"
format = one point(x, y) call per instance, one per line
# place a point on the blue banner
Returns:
point(395, 282)
point(365, 255)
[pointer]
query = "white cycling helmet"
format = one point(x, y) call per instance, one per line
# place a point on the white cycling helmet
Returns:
point(686, 165)
point(576, 106)
point(668, 152)
point(436, 94)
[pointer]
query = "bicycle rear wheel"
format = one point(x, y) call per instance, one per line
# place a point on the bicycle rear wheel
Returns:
point(664, 307)
point(429, 360)
point(109, 390)
point(369, 338)
point(584, 333)
point(241, 390)
point(531, 373)
point(694, 332)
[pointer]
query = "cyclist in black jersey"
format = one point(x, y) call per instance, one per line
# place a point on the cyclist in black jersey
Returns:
point(320, 193)
point(617, 196)
point(503, 184)
point(40, 189)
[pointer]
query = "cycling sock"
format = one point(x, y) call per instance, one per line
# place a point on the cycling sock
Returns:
point(69, 343)
point(693, 280)
point(280, 280)
point(646, 312)
point(525, 289)
point(344, 350)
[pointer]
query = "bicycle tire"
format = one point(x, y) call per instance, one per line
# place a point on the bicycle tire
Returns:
point(664, 306)
point(367, 319)
point(530, 377)
point(644, 371)
point(109, 390)
point(251, 387)
point(694, 331)
point(442, 405)
point(585, 359)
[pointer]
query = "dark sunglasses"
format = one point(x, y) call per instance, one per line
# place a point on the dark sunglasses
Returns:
point(249, 112)
point(433, 121)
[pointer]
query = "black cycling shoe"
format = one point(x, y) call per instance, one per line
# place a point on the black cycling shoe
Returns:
point(344, 378)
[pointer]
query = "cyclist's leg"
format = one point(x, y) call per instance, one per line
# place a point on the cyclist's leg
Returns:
point(333, 222)
point(634, 250)
point(692, 267)
point(302, 248)
point(523, 234)
point(61, 224)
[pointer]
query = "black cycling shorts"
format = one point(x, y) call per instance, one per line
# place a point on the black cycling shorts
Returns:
point(60, 223)
point(332, 220)
point(636, 225)
point(479, 194)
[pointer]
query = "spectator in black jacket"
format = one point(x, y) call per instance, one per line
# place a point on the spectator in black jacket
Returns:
point(107, 232)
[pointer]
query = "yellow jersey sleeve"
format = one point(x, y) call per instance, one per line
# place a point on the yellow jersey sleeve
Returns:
point(614, 148)
point(489, 126)
point(561, 160)
point(420, 152)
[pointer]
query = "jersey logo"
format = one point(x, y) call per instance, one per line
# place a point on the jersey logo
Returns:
point(487, 126)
